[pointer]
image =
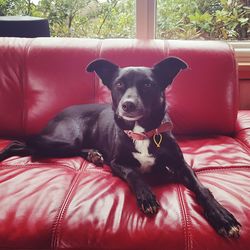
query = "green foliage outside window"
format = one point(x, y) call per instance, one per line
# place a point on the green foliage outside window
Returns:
point(88, 18)
point(210, 19)
point(176, 19)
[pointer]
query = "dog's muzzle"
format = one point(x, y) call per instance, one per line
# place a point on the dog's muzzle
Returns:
point(129, 111)
point(130, 106)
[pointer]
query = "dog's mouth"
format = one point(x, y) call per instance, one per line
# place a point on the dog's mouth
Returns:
point(131, 117)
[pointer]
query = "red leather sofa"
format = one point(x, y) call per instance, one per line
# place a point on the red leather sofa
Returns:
point(69, 203)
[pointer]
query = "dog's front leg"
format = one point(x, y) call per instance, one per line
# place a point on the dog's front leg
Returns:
point(219, 217)
point(146, 200)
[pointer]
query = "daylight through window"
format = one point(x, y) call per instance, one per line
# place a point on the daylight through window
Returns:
point(173, 19)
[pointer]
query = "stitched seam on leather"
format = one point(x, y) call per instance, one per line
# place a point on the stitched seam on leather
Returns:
point(242, 129)
point(56, 229)
point(24, 85)
point(22, 80)
point(99, 171)
point(36, 165)
point(236, 88)
point(185, 221)
point(244, 145)
point(106, 248)
point(96, 79)
point(221, 169)
point(31, 248)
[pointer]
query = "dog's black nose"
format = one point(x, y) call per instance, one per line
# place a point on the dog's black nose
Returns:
point(128, 106)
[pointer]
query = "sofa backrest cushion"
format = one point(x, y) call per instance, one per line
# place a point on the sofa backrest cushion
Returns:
point(41, 76)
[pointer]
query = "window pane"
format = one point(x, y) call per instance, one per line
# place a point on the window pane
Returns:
point(203, 19)
point(79, 18)
point(106, 19)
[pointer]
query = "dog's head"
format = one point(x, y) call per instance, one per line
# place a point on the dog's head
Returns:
point(137, 92)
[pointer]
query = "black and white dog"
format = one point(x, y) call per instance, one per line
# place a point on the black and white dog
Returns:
point(133, 135)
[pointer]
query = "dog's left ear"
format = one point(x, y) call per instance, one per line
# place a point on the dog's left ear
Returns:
point(166, 70)
point(105, 69)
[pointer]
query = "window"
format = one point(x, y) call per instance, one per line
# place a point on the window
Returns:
point(187, 19)
point(199, 19)
point(164, 19)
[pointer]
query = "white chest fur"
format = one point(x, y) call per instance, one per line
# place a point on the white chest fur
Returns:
point(146, 160)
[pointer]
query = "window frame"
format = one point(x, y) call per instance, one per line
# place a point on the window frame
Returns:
point(145, 19)
point(146, 29)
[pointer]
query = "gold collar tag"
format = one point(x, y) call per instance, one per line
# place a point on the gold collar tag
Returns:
point(157, 138)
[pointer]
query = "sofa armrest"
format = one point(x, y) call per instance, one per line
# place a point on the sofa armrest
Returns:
point(243, 127)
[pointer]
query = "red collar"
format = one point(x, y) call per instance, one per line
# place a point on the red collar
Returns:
point(164, 127)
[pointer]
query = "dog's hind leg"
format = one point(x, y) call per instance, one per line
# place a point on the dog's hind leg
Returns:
point(15, 148)
point(42, 146)
point(47, 146)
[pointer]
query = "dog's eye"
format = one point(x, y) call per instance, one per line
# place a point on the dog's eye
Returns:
point(119, 84)
point(147, 84)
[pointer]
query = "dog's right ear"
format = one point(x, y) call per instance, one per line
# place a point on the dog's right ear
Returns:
point(105, 69)
point(166, 70)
